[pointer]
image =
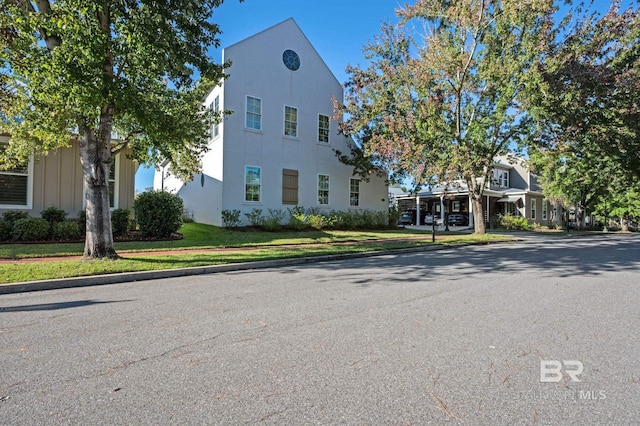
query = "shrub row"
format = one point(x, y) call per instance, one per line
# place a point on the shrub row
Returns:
point(299, 218)
point(510, 223)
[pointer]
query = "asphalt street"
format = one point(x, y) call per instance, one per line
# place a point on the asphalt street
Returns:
point(538, 332)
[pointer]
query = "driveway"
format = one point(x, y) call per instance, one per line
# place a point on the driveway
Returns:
point(455, 336)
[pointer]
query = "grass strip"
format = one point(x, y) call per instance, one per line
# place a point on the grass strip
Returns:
point(34, 271)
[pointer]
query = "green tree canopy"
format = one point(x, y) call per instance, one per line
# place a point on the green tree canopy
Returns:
point(439, 98)
point(586, 108)
point(91, 69)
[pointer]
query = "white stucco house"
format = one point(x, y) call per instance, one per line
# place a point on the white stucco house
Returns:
point(276, 150)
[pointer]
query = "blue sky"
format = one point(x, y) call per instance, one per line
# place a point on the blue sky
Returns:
point(337, 29)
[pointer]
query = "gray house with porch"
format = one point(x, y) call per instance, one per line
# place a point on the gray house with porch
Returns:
point(513, 190)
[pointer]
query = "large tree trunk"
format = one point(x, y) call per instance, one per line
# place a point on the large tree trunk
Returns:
point(479, 225)
point(95, 156)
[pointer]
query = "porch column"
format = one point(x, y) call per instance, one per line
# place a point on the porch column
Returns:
point(488, 211)
point(470, 211)
point(417, 210)
point(442, 208)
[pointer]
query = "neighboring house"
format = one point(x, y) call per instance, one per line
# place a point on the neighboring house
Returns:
point(513, 190)
point(57, 180)
point(276, 150)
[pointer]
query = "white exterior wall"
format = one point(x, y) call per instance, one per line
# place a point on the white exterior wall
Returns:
point(257, 70)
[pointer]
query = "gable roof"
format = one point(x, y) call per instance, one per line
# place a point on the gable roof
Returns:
point(288, 21)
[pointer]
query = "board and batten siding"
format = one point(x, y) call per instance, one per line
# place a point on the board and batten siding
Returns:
point(57, 181)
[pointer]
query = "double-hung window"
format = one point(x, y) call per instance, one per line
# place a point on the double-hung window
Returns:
point(252, 184)
point(533, 208)
point(354, 192)
point(215, 125)
point(254, 113)
point(291, 121)
point(15, 186)
point(545, 208)
point(323, 128)
point(323, 190)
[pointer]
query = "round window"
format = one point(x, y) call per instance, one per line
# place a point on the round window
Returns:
point(291, 60)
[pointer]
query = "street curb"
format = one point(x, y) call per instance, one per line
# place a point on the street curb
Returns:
point(96, 280)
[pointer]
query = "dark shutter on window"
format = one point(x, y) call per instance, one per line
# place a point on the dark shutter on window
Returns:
point(289, 186)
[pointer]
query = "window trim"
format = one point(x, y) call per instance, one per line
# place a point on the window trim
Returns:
point(502, 178)
point(328, 190)
point(545, 210)
point(246, 113)
point(29, 195)
point(244, 200)
point(285, 121)
point(351, 180)
point(328, 129)
point(215, 108)
point(534, 206)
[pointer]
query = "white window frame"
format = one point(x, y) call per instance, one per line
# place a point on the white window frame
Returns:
point(322, 130)
point(534, 206)
point(215, 108)
point(351, 193)
point(501, 177)
point(545, 209)
point(292, 124)
point(259, 200)
point(29, 195)
point(116, 186)
point(247, 112)
point(328, 190)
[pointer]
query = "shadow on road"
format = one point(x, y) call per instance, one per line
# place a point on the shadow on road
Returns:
point(56, 306)
point(555, 259)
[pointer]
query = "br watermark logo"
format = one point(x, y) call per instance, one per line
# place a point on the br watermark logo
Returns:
point(552, 371)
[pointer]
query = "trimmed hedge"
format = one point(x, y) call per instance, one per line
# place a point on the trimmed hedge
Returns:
point(120, 222)
point(5, 230)
point(53, 215)
point(31, 229)
point(67, 230)
point(13, 215)
point(158, 214)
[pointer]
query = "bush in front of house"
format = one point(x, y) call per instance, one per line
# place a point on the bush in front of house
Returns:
point(13, 215)
point(158, 214)
point(120, 222)
point(53, 215)
point(394, 216)
point(31, 229)
point(5, 230)
point(67, 230)
point(255, 217)
point(297, 218)
point(274, 219)
point(81, 220)
point(231, 218)
point(513, 223)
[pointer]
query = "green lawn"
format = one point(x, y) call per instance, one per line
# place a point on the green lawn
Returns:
point(265, 246)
